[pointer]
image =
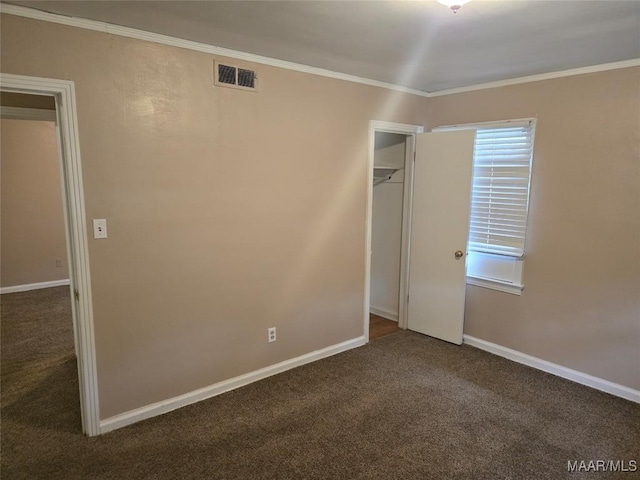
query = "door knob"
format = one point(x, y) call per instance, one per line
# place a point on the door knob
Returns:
point(458, 254)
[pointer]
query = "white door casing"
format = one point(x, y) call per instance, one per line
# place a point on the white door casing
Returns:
point(439, 228)
point(75, 224)
point(403, 129)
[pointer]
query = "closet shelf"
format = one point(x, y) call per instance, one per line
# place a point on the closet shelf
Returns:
point(383, 174)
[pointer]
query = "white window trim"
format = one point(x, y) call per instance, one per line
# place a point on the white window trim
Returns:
point(494, 284)
point(516, 264)
point(505, 286)
point(497, 124)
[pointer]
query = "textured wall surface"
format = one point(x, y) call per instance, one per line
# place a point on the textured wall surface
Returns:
point(228, 211)
point(580, 306)
point(32, 221)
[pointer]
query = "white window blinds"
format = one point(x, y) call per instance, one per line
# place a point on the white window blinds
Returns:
point(500, 193)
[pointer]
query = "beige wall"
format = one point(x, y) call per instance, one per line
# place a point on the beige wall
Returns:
point(228, 211)
point(580, 306)
point(31, 221)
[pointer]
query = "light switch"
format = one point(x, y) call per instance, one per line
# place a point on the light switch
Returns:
point(99, 228)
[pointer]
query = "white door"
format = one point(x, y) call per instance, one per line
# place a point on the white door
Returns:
point(439, 231)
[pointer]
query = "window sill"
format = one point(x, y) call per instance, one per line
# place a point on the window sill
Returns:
point(495, 285)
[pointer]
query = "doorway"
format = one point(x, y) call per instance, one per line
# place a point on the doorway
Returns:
point(62, 93)
point(39, 373)
point(391, 152)
point(434, 229)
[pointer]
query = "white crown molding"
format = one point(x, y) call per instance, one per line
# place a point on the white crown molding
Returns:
point(199, 47)
point(555, 369)
point(34, 286)
point(274, 62)
point(22, 113)
point(165, 406)
point(635, 62)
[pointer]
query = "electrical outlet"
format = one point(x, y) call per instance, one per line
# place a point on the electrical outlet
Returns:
point(99, 228)
point(272, 334)
point(58, 262)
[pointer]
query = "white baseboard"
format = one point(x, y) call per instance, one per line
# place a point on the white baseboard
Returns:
point(384, 313)
point(155, 409)
point(555, 369)
point(34, 286)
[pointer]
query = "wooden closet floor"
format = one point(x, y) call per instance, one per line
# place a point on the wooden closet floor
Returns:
point(379, 327)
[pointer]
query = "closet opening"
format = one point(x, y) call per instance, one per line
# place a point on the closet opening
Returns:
point(392, 152)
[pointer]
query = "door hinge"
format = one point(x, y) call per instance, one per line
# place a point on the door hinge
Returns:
point(414, 155)
point(77, 295)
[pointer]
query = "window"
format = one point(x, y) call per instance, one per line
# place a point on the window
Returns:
point(499, 203)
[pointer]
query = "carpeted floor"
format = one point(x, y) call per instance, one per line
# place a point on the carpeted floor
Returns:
point(403, 407)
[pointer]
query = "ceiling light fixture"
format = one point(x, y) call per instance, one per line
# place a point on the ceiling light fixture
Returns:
point(454, 5)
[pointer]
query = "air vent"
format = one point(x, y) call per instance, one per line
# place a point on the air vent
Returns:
point(227, 74)
point(236, 77)
point(246, 78)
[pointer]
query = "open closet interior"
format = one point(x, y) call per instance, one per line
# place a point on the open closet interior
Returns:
point(386, 225)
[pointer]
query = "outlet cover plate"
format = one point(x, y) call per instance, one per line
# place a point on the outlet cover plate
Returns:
point(99, 228)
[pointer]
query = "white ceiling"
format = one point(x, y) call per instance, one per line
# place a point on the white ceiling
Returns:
point(418, 44)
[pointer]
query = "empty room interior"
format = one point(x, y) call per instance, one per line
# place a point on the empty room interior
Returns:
point(320, 239)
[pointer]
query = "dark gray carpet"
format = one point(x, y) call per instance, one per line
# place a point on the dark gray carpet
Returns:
point(403, 407)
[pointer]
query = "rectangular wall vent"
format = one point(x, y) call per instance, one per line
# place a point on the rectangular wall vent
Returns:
point(226, 75)
point(246, 78)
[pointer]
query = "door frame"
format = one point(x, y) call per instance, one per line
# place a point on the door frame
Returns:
point(63, 92)
point(410, 131)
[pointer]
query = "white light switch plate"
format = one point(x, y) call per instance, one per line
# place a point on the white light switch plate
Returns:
point(99, 228)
